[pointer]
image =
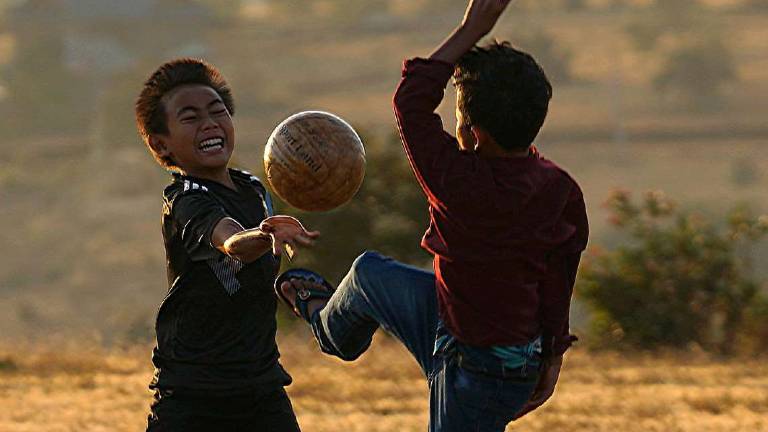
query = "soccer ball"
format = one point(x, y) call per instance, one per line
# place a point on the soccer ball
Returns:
point(314, 161)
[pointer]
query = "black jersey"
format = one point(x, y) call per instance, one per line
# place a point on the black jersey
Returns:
point(216, 327)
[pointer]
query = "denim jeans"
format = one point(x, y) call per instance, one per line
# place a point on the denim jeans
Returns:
point(470, 389)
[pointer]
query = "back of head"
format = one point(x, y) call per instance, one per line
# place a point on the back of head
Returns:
point(150, 110)
point(503, 91)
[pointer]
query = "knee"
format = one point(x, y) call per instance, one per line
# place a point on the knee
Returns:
point(346, 351)
point(368, 263)
point(340, 353)
point(368, 271)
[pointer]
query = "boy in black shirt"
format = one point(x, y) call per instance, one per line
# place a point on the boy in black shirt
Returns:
point(216, 359)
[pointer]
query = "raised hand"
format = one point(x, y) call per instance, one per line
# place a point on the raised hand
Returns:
point(479, 19)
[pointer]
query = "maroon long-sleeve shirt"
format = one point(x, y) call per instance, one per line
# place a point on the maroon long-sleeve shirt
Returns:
point(506, 233)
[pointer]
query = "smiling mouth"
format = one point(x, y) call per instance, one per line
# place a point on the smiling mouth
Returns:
point(211, 145)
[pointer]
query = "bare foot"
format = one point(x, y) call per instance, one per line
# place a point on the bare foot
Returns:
point(290, 287)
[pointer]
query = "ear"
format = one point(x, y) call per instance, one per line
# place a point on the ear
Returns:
point(482, 138)
point(157, 143)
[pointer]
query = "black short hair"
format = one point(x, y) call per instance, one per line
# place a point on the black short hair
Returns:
point(505, 92)
point(150, 111)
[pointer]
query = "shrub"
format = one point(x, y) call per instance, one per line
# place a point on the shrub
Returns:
point(678, 280)
point(745, 172)
point(711, 62)
point(687, 39)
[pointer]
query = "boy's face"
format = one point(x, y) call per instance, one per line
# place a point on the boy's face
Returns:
point(201, 136)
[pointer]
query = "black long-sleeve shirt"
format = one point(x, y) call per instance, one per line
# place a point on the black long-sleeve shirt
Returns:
point(216, 327)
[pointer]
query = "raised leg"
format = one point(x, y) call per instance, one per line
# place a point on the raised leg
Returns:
point(379, 291)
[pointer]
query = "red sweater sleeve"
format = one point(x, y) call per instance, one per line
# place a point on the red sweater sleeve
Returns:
point(432, 152)
point(557, 286)
point(557, 289)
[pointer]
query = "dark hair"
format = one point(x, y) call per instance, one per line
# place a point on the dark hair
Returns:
point(505, 92)
point(150, 111)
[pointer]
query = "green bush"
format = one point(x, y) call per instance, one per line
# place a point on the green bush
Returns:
point(710, 61)
point(677, 281)
point(687, 39)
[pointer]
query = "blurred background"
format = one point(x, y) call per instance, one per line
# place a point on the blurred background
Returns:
point(665, 96)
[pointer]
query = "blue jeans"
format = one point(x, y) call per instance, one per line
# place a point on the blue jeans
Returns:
point(470, 389)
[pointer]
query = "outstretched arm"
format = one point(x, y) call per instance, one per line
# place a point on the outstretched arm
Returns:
point(479, 19)
point(275, 233)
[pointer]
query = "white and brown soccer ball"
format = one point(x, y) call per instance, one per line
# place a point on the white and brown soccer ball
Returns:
point(314, 161)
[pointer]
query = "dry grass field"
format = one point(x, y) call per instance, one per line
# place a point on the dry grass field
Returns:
point(54, 389)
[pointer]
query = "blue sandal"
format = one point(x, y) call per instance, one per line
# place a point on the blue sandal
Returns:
point(303, 296)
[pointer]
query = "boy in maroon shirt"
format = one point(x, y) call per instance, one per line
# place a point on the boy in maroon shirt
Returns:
point(507, 227)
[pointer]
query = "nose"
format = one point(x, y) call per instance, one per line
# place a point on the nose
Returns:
point(209, 123)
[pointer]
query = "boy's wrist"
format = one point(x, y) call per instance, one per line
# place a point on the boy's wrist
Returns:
point(555, 360)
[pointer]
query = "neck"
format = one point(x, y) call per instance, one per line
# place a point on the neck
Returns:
point(496, 151)
point(218, 175)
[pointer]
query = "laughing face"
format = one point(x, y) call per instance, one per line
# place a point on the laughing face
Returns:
point(201, 135)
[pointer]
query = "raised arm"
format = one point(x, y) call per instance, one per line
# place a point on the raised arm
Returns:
point(432, 152)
